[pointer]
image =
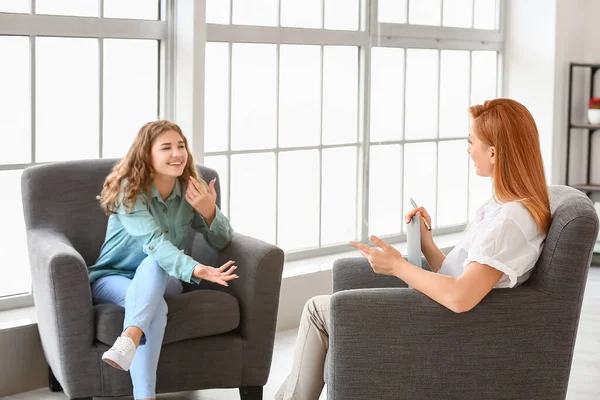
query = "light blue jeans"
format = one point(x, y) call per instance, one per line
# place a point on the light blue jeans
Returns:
point(145, 309)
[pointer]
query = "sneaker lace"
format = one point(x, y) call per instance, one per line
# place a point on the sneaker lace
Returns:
point(124, 346)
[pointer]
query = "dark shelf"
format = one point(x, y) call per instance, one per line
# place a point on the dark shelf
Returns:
point(576, 64)
point(587, 187)
point(585, 126)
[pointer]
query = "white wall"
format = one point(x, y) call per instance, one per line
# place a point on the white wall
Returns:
point(543, 37)
point(529, 64)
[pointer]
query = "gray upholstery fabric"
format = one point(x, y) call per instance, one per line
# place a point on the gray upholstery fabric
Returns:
point(395, 343)
point(65, 229)
point(191, 315)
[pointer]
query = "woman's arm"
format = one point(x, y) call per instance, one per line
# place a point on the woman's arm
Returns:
point(433, 255)
point(457, 294)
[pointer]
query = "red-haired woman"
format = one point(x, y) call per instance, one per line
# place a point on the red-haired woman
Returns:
point(499, 249)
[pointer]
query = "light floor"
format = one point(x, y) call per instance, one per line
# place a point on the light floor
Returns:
point(583, 385)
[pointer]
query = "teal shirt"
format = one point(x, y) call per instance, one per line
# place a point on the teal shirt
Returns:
point(158, 229)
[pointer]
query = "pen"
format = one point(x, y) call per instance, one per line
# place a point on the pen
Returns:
point(416, 206)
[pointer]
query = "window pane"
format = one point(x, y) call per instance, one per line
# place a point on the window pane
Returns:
point(454, 93)
point(130, 91)
point(458, 13)
point(301, 14)
point(217, 11)
point(253, 195)
point(255, 12)
point(393, 11)
point(216, 97)
point(484, 80)
point(15, 277)
point(253, 105)
point(485, 14)
point(339, 195)
point(387, 93)
point(480, 190)
point(221, 165)
point(131, 9)
point(424, 12)
point(340, 95)
point(66, 99)
point(341, 14)
point(453, 175)
point(419, 176)
point(298, 214)
point(81, 8)
point(15, 102)
point(421, 93)
point(385, 190)
point(299, 95)
point(15, 6)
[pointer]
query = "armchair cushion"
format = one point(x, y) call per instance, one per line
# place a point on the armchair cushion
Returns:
point(195, 314)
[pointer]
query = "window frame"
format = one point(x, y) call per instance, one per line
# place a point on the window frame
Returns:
point(32, 25)
point(370, 34)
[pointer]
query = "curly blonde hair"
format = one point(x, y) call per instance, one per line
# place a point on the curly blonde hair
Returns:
point(133, 174)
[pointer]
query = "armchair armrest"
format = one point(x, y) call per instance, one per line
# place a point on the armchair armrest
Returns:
point(63, 300)
point(399, 344)
point(356, 273)
point(260, 267)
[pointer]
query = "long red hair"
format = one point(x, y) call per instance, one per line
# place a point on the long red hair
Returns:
point(518, 173)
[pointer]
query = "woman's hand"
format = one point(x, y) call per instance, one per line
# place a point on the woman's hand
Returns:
point(384, 259)
point(426, 236)
point(202, 198)
point(220, 275)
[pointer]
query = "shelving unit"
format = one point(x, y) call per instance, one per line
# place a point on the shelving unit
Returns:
point(588, 188)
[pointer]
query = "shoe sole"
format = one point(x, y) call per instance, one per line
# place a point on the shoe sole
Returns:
point(112, 364)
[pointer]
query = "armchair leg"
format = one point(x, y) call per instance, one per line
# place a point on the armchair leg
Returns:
point(251, 393)
point(52, 382)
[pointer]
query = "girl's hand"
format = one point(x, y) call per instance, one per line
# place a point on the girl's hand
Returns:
point(426, 236)
point(220, 275)
point(384, 259)
point(202, 198)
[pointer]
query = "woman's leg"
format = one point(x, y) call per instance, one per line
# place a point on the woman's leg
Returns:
point(305, 382)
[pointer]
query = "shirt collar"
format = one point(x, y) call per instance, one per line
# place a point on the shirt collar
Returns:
point(176, 191)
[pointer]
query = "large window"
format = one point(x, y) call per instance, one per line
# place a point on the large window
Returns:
point(324, 117)
point(78, 79)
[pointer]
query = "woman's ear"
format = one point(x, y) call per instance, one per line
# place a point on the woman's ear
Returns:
point(492, 154)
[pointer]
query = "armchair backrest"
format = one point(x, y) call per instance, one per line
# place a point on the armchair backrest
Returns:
point(562, 268)
point(62, 197)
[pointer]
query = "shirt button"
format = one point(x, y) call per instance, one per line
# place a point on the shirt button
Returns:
point(165, 210)
point(166, 231)
point(150, 247)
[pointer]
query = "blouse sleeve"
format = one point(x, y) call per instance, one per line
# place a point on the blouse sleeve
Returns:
point(504, 246)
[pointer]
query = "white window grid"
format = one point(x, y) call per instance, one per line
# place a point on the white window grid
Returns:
point(370, 34)
point(34, 25)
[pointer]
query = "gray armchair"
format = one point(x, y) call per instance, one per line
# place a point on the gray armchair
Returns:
point(216, 337)
point(391, 342)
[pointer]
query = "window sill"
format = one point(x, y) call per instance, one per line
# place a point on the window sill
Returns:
point(323, 263)
point(24, 316)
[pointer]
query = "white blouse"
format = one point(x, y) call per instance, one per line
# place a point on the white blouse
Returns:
point(503, 236)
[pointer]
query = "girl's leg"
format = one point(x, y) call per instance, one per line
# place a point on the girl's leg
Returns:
point(144, 365)
point(306, 379)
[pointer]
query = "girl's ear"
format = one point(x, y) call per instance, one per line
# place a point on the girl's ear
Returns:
point(492, 154)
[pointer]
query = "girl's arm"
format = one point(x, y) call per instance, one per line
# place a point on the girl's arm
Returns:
point(217, 233)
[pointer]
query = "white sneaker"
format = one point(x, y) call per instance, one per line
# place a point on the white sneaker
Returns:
point(121, 353)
